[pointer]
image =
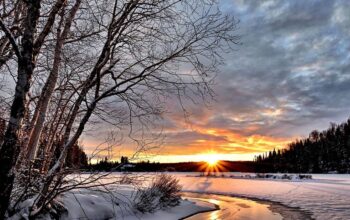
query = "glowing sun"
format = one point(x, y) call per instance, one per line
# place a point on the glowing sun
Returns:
point(212, 163)
point(212, 160)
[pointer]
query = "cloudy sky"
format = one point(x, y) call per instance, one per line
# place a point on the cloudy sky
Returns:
point(290, 75)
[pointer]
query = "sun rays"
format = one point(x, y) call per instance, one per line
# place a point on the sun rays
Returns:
point(212, 164)
point(212, 160)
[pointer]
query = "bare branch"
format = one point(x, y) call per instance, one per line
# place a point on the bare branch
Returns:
point(11, 39)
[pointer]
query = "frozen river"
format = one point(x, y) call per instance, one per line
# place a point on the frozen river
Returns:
point(325, 196)
point(240, 208)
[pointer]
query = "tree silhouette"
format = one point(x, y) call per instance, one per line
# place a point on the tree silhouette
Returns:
point(321, 152)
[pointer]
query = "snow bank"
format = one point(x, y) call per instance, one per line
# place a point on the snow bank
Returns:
point(102, 206)
point(117, 204)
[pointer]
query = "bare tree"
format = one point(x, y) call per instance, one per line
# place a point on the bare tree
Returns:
point(114, 61)
point(26, 62)
point(26, 51)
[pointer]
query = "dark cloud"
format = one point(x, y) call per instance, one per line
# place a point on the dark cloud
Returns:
point(294, 58)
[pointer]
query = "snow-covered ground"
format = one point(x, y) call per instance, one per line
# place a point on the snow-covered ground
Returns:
point(87, 205)
point(118, 204)
point(325, 196)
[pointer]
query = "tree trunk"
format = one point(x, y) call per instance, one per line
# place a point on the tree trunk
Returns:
point(11, 145)
point(50, 84)
point(43, 104)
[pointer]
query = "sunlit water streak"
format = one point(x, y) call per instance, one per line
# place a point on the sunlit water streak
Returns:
point(232, 208)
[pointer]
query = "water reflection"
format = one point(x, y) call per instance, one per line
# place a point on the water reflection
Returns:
point(213, 215)
point(233, 208)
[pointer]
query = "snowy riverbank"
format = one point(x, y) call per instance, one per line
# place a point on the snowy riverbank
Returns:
point(117, 204)
point(97, 206)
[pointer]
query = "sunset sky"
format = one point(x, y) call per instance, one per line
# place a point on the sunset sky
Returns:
point(289, 75)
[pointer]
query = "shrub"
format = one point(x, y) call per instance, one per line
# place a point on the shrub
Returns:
point(163, 192)
point(127, 179)
point(305, 176)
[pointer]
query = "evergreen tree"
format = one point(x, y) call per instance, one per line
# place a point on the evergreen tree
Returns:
point(321, 152)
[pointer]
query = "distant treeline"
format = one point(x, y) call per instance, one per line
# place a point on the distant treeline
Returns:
point(147, 166)
point(322, 152)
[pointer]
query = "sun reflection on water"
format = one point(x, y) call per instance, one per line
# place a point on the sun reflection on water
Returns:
point(234, 208)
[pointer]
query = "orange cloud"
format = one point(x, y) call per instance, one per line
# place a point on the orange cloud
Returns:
point(239, 138)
